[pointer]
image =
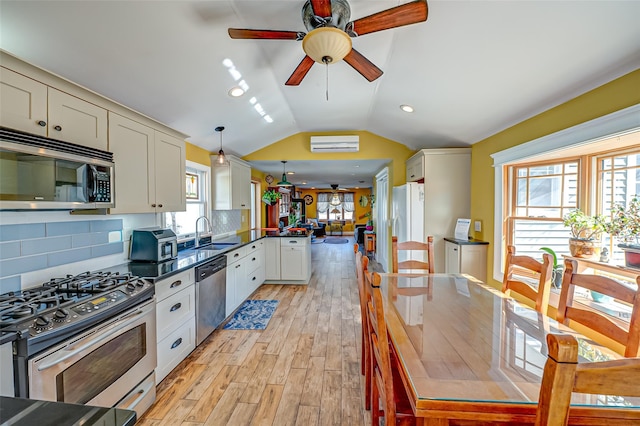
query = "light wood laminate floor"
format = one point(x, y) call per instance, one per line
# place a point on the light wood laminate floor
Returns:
point(303, 369)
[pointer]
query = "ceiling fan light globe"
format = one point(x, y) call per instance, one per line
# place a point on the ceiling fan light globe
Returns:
point(326, 42)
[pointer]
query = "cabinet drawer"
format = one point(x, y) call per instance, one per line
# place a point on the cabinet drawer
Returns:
point(254, 261)
point(237, 254)
point(254, 246)
point(173, 284)
point(174, 310)
point(175, 347)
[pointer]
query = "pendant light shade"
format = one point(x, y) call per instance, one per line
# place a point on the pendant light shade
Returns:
point(284, 181)
point(221, 157)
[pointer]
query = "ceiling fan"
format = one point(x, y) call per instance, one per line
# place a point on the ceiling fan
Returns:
point(330, 32)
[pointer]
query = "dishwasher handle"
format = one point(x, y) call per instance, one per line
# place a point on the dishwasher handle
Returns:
point(209, 268)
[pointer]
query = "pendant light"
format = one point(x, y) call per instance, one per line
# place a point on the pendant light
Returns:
point(284, 181)
point(221, 157)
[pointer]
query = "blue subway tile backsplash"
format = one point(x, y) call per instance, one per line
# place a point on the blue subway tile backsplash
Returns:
point(22, 232)
point(45, 245)
point(35, 246)
point(10, 284)
point(68, 228)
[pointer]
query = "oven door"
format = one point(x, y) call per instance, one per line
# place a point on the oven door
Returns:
point(101, 366)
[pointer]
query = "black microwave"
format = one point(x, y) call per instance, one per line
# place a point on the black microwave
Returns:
point(43, 173)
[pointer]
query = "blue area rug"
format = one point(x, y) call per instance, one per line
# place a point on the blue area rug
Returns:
point(252, 315)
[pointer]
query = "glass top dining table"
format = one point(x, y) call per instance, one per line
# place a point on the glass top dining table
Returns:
point(468, 352)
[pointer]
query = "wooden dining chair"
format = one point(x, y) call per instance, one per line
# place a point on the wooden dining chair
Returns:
point(388, 395)
point(563, 375)
point(413, 246)
point(542, 272)
point(569, 310)
point(362, 263)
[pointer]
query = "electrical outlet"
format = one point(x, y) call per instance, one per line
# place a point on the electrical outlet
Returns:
point(477, 225)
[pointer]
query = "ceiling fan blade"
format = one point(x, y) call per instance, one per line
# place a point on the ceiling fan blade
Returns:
point(321, 8)
point(406, 14)
point(299, 73)
point(364, 66)
point(265, 34)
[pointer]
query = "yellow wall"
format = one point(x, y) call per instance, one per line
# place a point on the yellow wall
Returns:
point(372, 147)
point(198, 155)
point(616, 95)
point(311, 208)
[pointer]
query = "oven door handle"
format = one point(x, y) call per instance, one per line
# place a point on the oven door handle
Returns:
point(92, 339)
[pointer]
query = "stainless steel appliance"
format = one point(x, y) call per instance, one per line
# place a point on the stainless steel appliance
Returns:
point(42, 173)
point(153, 245)
point(210, 296)
point(86, 339)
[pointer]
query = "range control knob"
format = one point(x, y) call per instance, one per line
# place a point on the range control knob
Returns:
point(41, 322)
point(60, 315)
point(140, 283)
point(131, 286)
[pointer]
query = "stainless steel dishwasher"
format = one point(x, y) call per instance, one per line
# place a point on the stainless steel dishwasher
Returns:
point(211, 292)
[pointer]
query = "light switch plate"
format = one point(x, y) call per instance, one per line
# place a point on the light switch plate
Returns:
point(477, 225)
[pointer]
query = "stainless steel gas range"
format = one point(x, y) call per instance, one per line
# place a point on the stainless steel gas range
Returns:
point(86, 339)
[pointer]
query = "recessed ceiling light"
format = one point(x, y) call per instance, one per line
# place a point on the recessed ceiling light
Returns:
point(291, 173)
point(236, 92)
point(406, 108)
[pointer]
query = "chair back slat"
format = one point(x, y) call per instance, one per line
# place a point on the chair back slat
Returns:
point(627, 335)
point(544, 270)
point(563, 375)
point(412, 264)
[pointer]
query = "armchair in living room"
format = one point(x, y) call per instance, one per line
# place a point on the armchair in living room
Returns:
point(318, 229)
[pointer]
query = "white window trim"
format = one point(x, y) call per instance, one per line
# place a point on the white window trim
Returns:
point(615, 124)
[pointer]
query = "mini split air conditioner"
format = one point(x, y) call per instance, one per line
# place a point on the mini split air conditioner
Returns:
point(335, 143)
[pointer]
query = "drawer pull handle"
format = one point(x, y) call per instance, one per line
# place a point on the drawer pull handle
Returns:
point(253, 260)
point(159, 205)
point(58, 128)
point(175, 307)
point(41, 123)
point(175, 284)
point(293, 242)
point(253, 279)
point(237, 266)
point(236, 255)
point(176, 343)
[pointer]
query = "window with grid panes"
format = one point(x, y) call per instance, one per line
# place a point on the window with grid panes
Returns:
point(541, 194)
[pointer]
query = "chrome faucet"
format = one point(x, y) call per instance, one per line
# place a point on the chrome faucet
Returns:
point(206, 219)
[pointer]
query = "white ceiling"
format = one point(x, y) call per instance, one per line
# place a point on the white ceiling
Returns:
point(472, 69)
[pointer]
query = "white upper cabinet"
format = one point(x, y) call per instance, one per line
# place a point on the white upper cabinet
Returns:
point(23, 103)
point(73, 120)
point(35, 108)
point(415, 168)
point(150, 168)
point(230, 184)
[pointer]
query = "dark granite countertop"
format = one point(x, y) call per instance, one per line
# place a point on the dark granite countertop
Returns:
point(193, 257)
point(29, 412)
point(470, 241)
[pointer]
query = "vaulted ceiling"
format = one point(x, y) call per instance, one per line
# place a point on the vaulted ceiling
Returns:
point(472, 69)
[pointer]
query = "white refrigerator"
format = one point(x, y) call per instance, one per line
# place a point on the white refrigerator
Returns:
point(408, 217)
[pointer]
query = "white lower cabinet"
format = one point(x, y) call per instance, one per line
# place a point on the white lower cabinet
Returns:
point(466, 257)
point(272, 258)
point(295, 259)
point(245, 273)
point(175, 320)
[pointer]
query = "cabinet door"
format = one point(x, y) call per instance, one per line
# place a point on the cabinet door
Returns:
point(452, 258)
point(292, 263)
point(415, 169)
point(132, 145)
point(272, 258)
point(236, 287)
point(240, 186)
point(23, 103)
point(170, 173)
point(73, 120)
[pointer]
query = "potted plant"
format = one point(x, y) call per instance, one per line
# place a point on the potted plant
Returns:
point(369, 226)
point(625, 227)
point(270, 196)
point(558, 268)
point(585, 233)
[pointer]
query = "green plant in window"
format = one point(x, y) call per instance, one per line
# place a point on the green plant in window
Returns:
point(583, 226)
point(625, 222)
